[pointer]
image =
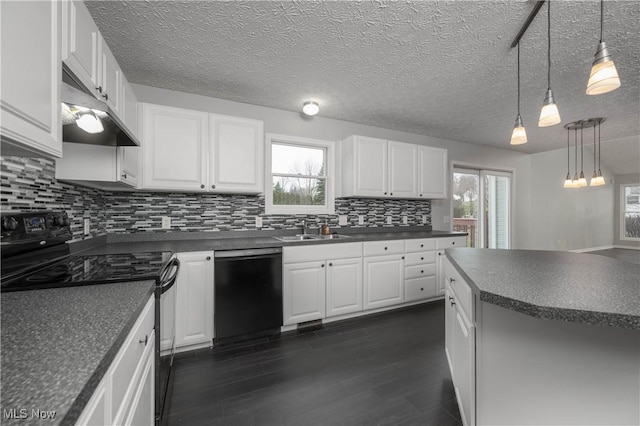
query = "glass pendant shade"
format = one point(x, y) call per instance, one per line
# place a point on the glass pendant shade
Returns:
point(604, 76)
point(549, 115)
point(599, 180)
point(519, 135)
point(568, 182)
point(582, 181)
point(90, 123)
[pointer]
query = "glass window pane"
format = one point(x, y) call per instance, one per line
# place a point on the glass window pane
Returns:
point(632, 225)
point(632, 198)
point(301, 160)
point(465, 205)
point(298, 191)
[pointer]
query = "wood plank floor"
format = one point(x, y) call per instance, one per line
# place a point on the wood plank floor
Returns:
point(385, 369)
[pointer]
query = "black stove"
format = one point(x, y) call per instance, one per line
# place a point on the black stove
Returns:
point(35, 256)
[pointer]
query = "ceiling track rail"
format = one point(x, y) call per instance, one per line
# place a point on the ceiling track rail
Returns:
point(528, 22)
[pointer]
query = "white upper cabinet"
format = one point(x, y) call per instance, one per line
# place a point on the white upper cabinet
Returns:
point(364, 167)
point(129, 107)
point(80, 43)
point(174, 148)
point(110, 86)
point(237, 154)
point(185, 150)
point(30, 78)
point(403, 172)
point(433, 172)
point(387, 169)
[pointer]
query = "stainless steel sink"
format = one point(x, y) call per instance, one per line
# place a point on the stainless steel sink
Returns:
point(293, 238)
point(307, 237)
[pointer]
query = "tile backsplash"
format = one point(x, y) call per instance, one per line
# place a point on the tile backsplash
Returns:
point(30, 184)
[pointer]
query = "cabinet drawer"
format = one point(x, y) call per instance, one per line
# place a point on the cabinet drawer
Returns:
point(321, 252)
point(419, 288)
point(422, 258)
point(451, 242)
point(460, 289)
point(377, 248)
point(419, 271)
point(421, 244)
point(124, 367)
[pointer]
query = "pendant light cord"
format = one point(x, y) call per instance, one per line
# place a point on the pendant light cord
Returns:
point(569, 153)
point(518, 78)
point(601, 18)
point(599, 146)
point(594, 146)
point(581, 148)
point(549, 42)
point(575, 134)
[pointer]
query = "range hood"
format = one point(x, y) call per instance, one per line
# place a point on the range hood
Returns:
point(75, 102)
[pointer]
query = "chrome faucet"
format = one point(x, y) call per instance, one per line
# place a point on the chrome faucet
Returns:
point(303, 223)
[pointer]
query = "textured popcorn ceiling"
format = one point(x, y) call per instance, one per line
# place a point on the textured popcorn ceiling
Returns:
point(442, 69)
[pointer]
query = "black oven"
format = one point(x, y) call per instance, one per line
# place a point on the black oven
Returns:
point(35, 256)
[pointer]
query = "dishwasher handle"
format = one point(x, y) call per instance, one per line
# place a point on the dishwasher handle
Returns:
point(247, 253)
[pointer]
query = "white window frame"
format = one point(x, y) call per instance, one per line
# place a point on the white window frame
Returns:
point(329, 147)
point(623, 205)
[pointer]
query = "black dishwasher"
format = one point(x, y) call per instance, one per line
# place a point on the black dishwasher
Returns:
point(248, 294)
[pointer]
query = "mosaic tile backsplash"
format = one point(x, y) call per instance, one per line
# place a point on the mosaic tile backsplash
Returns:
point(29, 184)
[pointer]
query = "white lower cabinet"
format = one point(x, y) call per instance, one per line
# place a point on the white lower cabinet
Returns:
point(194, 299)
point(344, 286)
point(384, 281)
point(126, 393)
point(441, 245)
point(303, 289)
point(460, 341)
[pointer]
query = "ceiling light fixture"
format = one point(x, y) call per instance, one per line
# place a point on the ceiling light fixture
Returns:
point(599, 180)
point(604, 76)
point(581, 181)
point(549, 114)
point(310, 108)
point(519, 135)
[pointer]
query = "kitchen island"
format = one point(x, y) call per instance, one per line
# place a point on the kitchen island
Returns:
point(546, 337)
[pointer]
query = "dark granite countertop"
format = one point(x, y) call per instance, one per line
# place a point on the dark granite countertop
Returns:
point(576, 287)
point(57, 344)
point(202, 241)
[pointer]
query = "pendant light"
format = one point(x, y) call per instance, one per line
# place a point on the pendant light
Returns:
point(594, 177)
point(604, 76)
point(582, 182)
point(549, 114)
point(599, 180)
point(568, 182)
point(519, 135)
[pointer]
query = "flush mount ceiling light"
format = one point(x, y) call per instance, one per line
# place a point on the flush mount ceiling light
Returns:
point(310, 108)
point(519, 135)
point(549, 114)
point(604, 76)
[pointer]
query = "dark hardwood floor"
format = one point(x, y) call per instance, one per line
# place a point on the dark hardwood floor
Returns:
point(388, 368)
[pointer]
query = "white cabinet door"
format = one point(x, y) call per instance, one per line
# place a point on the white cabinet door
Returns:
point(303, 290)
point(30, 78)
point(344, 286)
point(433, 172)
point(449, 327)
point(142, 411)
point(80, 43)
point(129, 107)
point(464, 366)
point(237, 154)
point(95, 412)
point(175, 148)
point(128, 164)
point(384, 281)
point(110, 78)
point(194, 298)
point(364, 167)
point(441, 245)
point(403, 173)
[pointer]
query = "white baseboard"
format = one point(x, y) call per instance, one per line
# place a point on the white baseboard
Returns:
point(585, 250)
point(628, 247)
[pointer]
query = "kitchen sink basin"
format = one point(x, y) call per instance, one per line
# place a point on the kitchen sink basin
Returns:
point(293, 238)
point(307, 237)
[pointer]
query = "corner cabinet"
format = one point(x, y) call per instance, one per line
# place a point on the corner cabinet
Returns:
point(30, 123)
point(195, 151)
point(194, 299)
point(388, 169)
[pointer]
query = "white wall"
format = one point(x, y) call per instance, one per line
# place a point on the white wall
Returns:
point(565, 219)
point(545, 215)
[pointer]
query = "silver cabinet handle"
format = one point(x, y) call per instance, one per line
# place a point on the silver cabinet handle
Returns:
point(213, 187)
point(106, 96)
point(124, 176)
point(202, 186)
point(145, 340)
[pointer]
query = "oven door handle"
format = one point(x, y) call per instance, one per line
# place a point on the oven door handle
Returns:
point(167, 283)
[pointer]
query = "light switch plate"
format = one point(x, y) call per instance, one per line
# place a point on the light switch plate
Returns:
point(404, 220)
point(424, 218)
point(342, 220)
point(87, 226)
point(360, 220)
point(389, 220)
point(258, 222)
point(166, 222)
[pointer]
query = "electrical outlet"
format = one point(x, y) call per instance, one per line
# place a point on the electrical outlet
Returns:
point(404, 220)
point(342, 220)
point(87, 226)
point(424, 218)
point(360, 219)
point(388, 220)
point(447, 219)
point(166, 222)
point(258, 222)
